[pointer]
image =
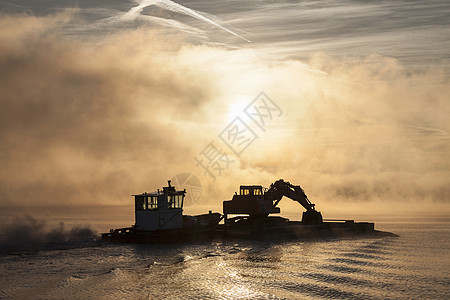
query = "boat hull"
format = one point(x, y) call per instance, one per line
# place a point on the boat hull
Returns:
point(268, 228)
point(203, 229)
point(277, 229)
point(159, 236)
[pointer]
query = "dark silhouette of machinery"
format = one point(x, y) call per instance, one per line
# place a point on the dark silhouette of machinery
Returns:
point(257, 202)
point(160, 218)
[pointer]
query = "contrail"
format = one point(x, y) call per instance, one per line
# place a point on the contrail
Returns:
point(429, 129)
point(175, 7)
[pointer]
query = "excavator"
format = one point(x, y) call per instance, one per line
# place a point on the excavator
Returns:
point(258, 202)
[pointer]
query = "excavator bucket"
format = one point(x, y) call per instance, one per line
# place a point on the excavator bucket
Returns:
point(312, 217)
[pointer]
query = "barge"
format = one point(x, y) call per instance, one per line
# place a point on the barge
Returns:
point(252, 207)
point(159, 218)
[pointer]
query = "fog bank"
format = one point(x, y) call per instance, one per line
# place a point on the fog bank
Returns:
point(90, 122)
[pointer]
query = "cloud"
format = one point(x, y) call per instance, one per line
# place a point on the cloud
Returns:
point(76, 113)
point(351, 136)
point(134, 12)
point(93, 121)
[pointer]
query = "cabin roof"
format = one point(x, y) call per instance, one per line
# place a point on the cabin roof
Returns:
point(251, 186)
point(148, 194)
point(160, 193)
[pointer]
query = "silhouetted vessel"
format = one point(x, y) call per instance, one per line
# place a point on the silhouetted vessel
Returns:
point(159, 219)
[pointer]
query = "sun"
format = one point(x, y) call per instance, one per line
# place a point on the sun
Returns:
point(237, 106)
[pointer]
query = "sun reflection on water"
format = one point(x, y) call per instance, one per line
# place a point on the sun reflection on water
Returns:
point(226, 282)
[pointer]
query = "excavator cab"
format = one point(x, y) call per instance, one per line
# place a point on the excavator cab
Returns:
point(256, 201)
point(255, 190)
point(250, 201)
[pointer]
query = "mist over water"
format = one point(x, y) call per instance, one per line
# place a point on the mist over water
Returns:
point(101, 100)
point(365, 127)
point(27, 233)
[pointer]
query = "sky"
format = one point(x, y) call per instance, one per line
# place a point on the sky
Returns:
point(103, 99)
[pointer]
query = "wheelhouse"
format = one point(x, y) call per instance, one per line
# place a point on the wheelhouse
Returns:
point(162, 209)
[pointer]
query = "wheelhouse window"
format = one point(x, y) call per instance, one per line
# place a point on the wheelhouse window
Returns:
point(175, 201)
point(257, 192)
point(152, 203)
point(140, 202)
point(245, 191)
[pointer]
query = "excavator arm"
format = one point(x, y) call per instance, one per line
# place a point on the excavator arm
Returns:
point(281, 188)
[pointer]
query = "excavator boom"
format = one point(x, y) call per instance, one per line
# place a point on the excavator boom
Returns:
point(280, 188)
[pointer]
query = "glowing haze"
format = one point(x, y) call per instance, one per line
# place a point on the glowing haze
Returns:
point(87, 121)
